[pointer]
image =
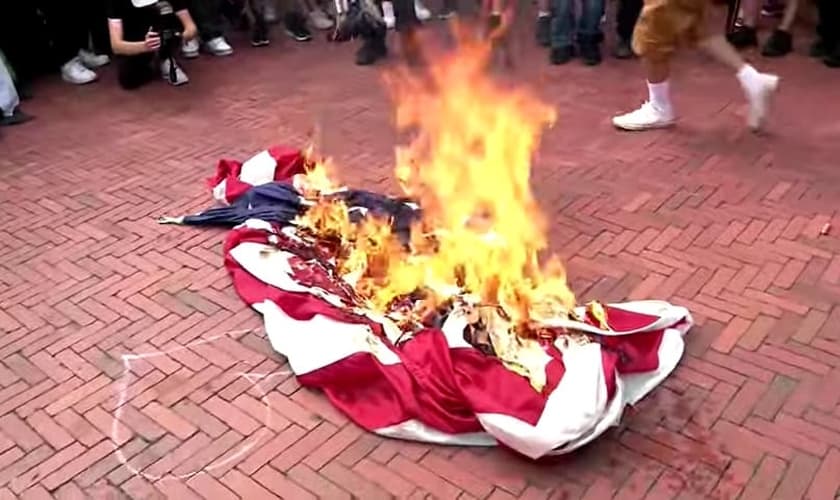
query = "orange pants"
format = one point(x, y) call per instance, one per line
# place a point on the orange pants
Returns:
point(665, 25)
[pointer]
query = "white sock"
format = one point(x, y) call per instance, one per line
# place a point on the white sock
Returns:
point(388, 9)
point(660, 96)
point(749, 78)
point(543, 13)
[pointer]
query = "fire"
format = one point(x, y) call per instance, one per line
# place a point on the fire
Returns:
point(468, 167)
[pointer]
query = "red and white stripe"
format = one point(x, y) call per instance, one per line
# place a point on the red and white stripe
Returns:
point(436, 387)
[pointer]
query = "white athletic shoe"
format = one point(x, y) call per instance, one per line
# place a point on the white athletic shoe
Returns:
point(76, 73)
point(423, 13)
point(93, 61)
point(190, 48)
point(759, 100)
point(180, 77)
point(218, 47)
point(388, 14)
point(647, 117)
point(319, 20)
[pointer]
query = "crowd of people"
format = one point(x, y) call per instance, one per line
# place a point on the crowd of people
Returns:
point(146, 38)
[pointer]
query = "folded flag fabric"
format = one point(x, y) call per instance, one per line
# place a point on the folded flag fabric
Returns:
point(434, 387)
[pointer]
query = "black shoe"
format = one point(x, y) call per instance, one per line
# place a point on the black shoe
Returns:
point(372, 50)
point(561, 55)
point(296, 27)
point(623, 50)
point(779, 44)
point(259, 35)
point(832, 59)
point(18, 117)
point(742, 37)
point(590, 53)
point(819, 49)
point(493, 23)
point(543, 31)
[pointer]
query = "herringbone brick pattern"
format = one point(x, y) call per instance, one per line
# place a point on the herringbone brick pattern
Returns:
point(128, 367)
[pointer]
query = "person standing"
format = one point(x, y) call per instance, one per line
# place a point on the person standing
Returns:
point(585, 29)
point(664, 25)
point(626, 17)
point(207, 15)
point(827, 46)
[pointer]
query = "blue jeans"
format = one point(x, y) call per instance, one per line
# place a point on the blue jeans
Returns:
point(563, 22)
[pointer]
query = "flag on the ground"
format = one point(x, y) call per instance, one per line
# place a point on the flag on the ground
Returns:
point(435, 387)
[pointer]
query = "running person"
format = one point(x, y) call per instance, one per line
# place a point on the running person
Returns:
point(664, 25)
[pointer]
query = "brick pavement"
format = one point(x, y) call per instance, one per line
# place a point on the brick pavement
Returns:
point(707, 215)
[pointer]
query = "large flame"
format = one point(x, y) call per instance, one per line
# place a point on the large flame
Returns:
point(468, 167)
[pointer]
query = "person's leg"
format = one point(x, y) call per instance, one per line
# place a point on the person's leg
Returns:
point(374, 32)
point(294, 21)
point(626, 17)
point(98, 27)
point(9, 99)
point(758, 87)
point(208, 17)
point(255, 11)
point(655, 38)
point(135, 71)
point(562, 24)
point(744, 33)
point(66, 24)
point(589, 31)
point(543, 30)
point(780, 42)
point(829, 32)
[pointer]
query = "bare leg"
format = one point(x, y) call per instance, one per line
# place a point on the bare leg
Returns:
point(789, 16)
point(657, 71)
point(721, 50)
point(758, 87)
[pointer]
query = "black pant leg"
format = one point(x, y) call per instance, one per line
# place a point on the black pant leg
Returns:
point(626, 17)
point(97, 23)
point(135, 71)
point(207, 15)
point(66, 24)
point(828, 27)
point(404, 14)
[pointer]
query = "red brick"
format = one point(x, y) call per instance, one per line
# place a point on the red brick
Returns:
point(54, 434)
point(465, 479)
point(383, 477)
point(211, 456)
point(826, 483)
point(19, 432)
point(169, 420)
point(245, 487)
point(208, 487)
point(800, 472)
point(731, 335)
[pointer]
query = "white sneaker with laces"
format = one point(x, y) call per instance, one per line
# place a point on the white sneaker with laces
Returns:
point(93, 61)
point(190, 48)
point(759, 99)
point(423, 13)
point(647, 117)
point(270, 12)
point(388, 15)
point(180, 77)
point(76, 73)
point(320, 20)
point(218, 47)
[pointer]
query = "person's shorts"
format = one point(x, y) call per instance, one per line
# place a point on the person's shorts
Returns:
point(665, 25)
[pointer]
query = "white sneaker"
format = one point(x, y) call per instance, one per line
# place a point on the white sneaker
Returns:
point(646, 117)
point(320, 20)
point(75, 72)
point(218, 47)
point(423, 14)
point(270, 12)
point(388, 14)
point(180, 77)
point(93, 61)
point(190, 48)
point(759, 100)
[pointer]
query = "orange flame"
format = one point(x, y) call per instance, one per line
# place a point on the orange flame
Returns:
point(468, 167)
